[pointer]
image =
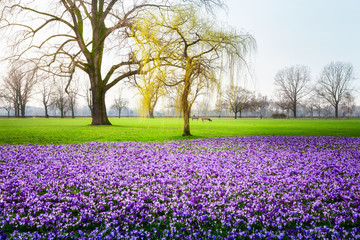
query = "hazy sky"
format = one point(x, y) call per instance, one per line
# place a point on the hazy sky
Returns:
point(290, 32)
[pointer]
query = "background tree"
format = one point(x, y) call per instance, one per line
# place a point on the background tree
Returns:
point(334, 83)
point(19, 84)
point(220, 104)
point(150, 87)
point(284, 104)
point(119, 103)
point(310, 106)
point(292, 85)
point(348, 104)
point(6, 103)
point(88, 98)
point(193, 48)
point(327, 110)
point(72, 95)
point(45, 90)
point(260, 104)
point(313, 103)
point(238, 99)
point(202, 106)
point(60, 99)
point(66, 35)
point(172, 105)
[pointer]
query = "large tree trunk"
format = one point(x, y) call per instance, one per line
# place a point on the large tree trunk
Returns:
point(186, 108)
point(235, 115)
point(62, 112)
point(294, 111)
point(151, 112)
point(72, 112)
point(186, 117)
point(16, 108)
point(99, 109)
point(337, 110)
point(22, 111)
point(46, 111)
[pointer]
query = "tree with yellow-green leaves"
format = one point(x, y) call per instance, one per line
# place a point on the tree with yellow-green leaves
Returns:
point(191, 50)
point(150, 87)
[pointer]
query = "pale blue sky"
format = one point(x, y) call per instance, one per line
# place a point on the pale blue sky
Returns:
point(289, 32)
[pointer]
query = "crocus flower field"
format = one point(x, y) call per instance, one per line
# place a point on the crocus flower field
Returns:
point(219, 188)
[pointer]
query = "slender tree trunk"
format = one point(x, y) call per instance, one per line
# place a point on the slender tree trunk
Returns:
point(119, 112)
point(99, 109)
point(62, 112)
point(294, 111)
point(72, 112)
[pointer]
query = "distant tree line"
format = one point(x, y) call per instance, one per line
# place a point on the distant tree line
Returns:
point(333, 87)
point(17, 89)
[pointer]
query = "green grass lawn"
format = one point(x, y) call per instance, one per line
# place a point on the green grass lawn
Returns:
point(64, 131)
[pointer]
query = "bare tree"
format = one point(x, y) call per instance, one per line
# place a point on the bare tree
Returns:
point(172, 104)
point(6, 103)
point(60, 99)
point(220, 104)
point(79, 34)
point(19, 84)
point(260, 104)
point(292, 85)
point(313, 103)
point(284, 104)
point(72, 93)
point(88, 98)
point(348, 104)
point(46, 91)
point(327, 110)
point(119, 103)
point(238, 99)
point(334, 83)
point(309, 106)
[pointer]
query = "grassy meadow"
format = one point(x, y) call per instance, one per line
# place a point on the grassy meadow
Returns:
point(65, 131)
